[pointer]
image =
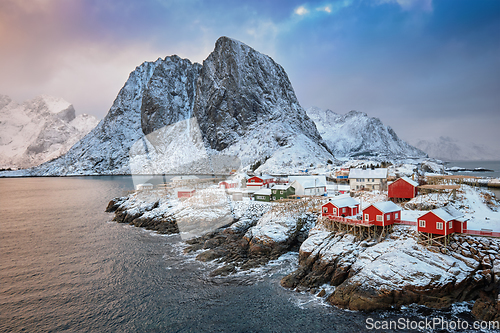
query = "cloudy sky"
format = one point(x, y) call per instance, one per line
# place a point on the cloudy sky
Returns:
point(427, 68)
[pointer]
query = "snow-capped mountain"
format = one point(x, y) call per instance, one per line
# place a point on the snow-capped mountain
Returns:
point(355, 134)
point(449, 149)
point(38, 130)
point(175, 116)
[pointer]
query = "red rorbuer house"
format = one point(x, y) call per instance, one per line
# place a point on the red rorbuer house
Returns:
point(227, 184)
point(382, 213)
point(346, 206)
point(403, 188)
point(185, 193)
point(258, 182)
point(442, 221)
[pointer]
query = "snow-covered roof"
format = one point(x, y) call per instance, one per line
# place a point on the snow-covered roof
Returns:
point(264, 177)
point(368, 173)
point(281, 187)
point(264, 191)
point(186, 190)
point(309, 181)
point(409, 180)
point(386, 206)
point(447, 213)
point(344, 202)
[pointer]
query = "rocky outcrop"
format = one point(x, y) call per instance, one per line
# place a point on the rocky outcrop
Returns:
point(138, 216)
point(241, 235)
point(254, 239)
point(370, 274)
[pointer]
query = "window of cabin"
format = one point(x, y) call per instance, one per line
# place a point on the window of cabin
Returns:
point(343, 210)
point(450, 225)
point(421, 223)
point(334, 210)
point(325, 209)
point(387, 216)
point(281, 192)
point(274, 191)
point(396, 216)
point(367, 217)
point(380, 218)
point(439, 225)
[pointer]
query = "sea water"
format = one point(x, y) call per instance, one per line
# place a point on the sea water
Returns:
point(66, 267)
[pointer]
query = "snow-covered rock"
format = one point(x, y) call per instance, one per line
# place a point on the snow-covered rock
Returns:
point(38, 130)
point(355, 134)
point(371, 274)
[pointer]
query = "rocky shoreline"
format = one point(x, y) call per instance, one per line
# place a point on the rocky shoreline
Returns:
point(348, 272)
point(371, 275)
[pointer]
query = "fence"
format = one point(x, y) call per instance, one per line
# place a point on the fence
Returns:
point(482, 232)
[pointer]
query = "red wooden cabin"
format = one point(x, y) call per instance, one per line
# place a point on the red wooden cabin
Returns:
point(258, 182)
point(403, 188)
point(346, 206)
point(382, 213)
point(442, 221)
point(227, 184)
point(185, 193)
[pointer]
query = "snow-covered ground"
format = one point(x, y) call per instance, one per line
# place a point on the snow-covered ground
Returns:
point(479, 214)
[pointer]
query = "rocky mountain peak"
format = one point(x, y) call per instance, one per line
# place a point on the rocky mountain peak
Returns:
point(239, 88)
point(169, 94)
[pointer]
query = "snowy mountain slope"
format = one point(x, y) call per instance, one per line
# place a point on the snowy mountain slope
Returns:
point(355, 134)
point(38, 130)
point(241, 101)
point(446, 148)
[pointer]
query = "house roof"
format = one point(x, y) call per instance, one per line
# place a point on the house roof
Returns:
point(368, 173)
point(281, 187)
point(309, 181)
point(186, 190)
point(386, 206)
point(263, 177)
point(344, 202)
point(410, 181)
point(447, 213)
point(264, 191)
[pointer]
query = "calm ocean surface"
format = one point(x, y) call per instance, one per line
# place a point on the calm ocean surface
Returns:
point(64, 267)
point(490, 165)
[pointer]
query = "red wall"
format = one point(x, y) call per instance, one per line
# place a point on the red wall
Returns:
point(227, 185)
point(348, 211)
point(402, 189)
point(388, 218)
point(430, 225)
point(185, 194)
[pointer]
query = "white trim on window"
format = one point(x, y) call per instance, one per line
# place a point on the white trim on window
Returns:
point(439, 225)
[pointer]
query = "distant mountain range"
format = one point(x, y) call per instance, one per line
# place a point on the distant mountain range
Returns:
point(356, 135)
point(448, 149)
point(236, 109)
point(38, 130)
